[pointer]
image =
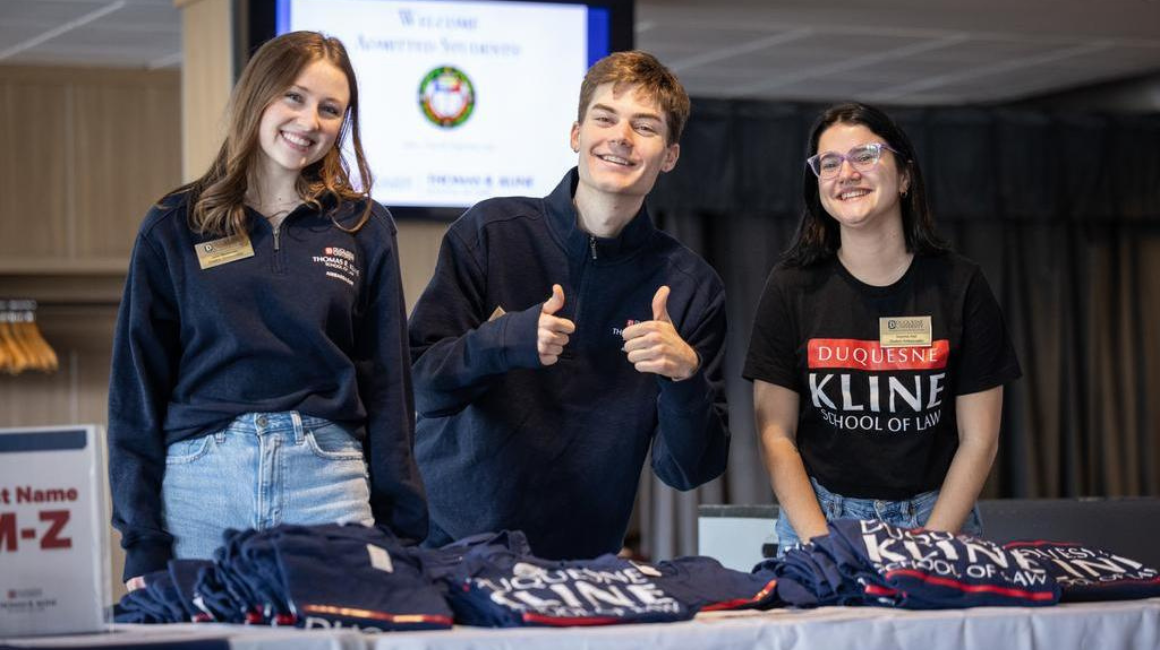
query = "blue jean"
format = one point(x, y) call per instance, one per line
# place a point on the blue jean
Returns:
point(908, 513)
point(262, 470)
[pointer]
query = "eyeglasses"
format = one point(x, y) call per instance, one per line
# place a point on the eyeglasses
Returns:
point(863, 158)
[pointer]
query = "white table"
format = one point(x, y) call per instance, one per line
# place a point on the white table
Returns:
point(1127, 625)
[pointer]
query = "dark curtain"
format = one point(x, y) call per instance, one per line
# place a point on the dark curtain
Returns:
point(1061, 211)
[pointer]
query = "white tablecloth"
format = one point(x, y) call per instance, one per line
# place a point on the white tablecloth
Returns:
point(1127, 625)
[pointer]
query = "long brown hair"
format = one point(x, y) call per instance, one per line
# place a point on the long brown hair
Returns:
point(217, 199)
point(818, 235)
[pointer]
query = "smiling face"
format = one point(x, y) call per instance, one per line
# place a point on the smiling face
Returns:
point(861, 199)
point(623, 143)
point(302, 123)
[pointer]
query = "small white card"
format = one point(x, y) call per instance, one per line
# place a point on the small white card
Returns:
point(380, 558)
point(646, 569)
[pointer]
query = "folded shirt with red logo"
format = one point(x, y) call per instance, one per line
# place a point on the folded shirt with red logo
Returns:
point(495, 586)
point(1086, 574)
point(868, 562)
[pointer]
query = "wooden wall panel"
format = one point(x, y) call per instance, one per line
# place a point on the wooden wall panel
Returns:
point(37, 399)
point(34, 198)
point(86, 151)
point(418, 251)
point(128, 143)
point(207, 78)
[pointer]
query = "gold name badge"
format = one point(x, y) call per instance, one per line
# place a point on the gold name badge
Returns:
point(904, 332)
point(223, 251)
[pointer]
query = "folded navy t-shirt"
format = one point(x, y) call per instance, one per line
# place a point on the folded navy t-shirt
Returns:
point(1087, 574)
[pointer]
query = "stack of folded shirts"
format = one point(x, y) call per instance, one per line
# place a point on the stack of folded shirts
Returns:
point(817, 574)
point(497, 582)
point(868, 562)
point(924, 569)
point(167, 596)
point(309, 576)
point(356, 576)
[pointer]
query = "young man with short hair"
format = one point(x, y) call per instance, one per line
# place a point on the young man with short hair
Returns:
point(560, 338)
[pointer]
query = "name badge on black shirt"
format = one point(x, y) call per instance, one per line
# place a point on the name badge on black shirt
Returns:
point(223, 251)
point(904, 332)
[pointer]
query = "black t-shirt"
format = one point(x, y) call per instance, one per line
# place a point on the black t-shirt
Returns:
point(877, 380)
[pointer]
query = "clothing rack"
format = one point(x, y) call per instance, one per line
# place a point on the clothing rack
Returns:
point(22, 347)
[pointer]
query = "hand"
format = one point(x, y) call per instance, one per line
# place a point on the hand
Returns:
point(655, 346)
point(135, 583)
point(552, 333)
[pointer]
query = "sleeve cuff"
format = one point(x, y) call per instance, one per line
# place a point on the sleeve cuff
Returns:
point(145, 558)
point(519, 338)
point(685, 396)
point(1001, 378)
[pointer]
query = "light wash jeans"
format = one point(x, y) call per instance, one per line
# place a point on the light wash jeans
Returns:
point(910, 513)
point(262, 470)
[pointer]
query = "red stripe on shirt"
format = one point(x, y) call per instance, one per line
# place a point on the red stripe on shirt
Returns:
point(955, 584)
point(398, 619)
point(564, 621)
point(871, 356)
point(741, 602)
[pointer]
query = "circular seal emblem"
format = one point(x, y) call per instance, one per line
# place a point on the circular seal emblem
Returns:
point(447, 97)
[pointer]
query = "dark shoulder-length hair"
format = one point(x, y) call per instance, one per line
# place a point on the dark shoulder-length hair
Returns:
point(818, 235)
point(217, 199)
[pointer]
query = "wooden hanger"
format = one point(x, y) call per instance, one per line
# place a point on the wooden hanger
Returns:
point(22, 347)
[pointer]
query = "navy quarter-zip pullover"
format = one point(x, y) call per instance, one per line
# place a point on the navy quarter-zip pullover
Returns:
point(313, 322)
point(505, 443)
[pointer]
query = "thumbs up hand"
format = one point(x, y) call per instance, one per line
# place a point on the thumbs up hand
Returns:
point(660, 305)
point(552, 332)
point(655, 346)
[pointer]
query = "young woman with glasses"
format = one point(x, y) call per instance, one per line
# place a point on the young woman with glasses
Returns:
point(878, 356)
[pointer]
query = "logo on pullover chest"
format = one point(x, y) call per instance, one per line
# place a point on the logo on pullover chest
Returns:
point(618, 332)
point(339, 264)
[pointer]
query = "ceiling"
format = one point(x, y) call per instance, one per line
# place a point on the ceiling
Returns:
point(888, 51)
point(125, 33)
point(900, 51)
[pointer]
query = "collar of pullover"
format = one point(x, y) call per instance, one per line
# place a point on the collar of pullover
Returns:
point(346, 214)
point(565, 224)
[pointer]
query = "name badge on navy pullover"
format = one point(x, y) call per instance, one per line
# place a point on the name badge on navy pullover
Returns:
point(223, 251)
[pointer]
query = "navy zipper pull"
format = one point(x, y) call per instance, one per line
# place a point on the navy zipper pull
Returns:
point(592, 245)
point(277, 232)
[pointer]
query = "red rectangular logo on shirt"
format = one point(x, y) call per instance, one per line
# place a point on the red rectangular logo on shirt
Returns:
point(871, 356)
